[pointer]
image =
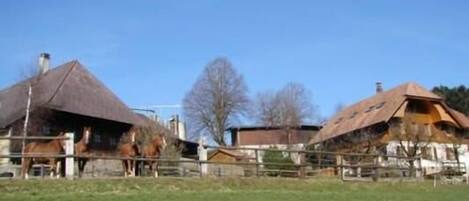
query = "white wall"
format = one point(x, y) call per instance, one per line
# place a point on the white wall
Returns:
point(294, 156)
point(5, 148)
point(432, 165)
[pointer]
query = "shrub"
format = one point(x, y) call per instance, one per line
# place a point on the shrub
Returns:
point(282, 162)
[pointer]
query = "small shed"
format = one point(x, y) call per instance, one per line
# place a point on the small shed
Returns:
point(226, 156)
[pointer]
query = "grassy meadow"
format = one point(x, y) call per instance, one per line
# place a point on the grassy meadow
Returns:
point(226, 189)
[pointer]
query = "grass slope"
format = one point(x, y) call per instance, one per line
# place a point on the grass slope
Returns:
point(195, 189)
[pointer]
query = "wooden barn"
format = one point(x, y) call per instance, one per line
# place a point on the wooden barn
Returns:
point(269, 137)
point(65, 98)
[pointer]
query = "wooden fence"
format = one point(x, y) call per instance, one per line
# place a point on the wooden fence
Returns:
point(347, 166)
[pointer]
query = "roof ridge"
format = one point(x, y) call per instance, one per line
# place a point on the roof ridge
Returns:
point(74, 62)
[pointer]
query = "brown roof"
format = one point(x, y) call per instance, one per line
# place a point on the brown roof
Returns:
point(231, 153)
point(460, 117)
point(373, 110)
point(274, 137)
point(271, 135)
point(68, 88)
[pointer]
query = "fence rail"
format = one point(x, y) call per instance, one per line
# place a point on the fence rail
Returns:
point(346, 166)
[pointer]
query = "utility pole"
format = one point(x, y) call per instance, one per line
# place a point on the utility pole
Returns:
point(26, 120)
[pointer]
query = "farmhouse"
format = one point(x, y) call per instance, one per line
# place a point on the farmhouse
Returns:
point(406, 121)
point(270, 137)
point(66, 98)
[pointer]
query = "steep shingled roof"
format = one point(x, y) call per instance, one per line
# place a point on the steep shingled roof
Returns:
point(68, 88)
point(461, 118)
point(373, 110)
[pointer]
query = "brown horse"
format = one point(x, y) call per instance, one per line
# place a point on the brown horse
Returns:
point(81, 147)
point(129, 150)
point(153, 151)
point(54, 147)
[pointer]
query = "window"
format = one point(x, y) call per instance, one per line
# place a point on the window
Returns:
point(411, 151)
point(353, 115)
point(46, 130)
point(450, 154)
point(97, 138)
point(383, 152)
point(338, 120)
point(416, 106)
point(380, 105)
point(426, 153)
point(113, 141)
point(400, 152)
point(370, 108)
point(435, 153)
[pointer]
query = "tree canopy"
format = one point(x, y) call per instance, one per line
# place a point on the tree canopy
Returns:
point(456, 97)
point(215, 101)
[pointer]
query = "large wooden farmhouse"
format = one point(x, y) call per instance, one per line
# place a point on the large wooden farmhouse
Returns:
point(407, 121)
point(66, 98)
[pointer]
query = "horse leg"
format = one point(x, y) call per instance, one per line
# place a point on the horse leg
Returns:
point(57, 169)
point(156, 170)
point(53, 167)
point(131, 169)
point(81, 166)
point(124, 164)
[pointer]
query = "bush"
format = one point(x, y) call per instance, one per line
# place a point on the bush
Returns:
point(284, 162)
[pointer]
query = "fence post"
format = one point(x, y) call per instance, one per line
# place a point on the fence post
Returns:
point(340, 162)
point(258, 161)
point(202, 157)
point(69, 160)
point(302, 164)
point(42, 171)
point(377, 165)
point(420, 168)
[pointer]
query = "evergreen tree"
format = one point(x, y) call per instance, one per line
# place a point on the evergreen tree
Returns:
point(456, 97)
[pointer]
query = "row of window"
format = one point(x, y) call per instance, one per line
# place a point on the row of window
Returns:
point(429, 153)
point(369, 109)
point(98, 139)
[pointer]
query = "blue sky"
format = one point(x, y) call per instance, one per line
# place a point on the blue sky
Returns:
point(150, 52)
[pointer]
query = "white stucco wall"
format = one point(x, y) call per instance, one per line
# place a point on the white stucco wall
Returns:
point(431, 165)
point(294, 156)
point(5, 147)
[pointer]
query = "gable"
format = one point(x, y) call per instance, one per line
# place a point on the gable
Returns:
point(69, 88)
point(83, 94)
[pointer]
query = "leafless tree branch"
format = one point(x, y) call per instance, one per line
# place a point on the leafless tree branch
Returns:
point(216, 101)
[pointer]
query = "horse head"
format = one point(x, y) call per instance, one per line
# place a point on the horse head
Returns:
point(86, 134)
point(61, 141)
point(132, 136)
point(160, 142)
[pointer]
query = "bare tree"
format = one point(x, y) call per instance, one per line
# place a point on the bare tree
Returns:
point(36, 117)
point(266, 109)
point(411, 137)
point(216, 100)
point(289, 107)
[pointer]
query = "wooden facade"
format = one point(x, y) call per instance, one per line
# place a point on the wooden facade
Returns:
point(226, 156)
point(406, 121)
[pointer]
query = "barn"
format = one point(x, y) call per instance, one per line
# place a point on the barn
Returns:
point(65, 98)
point(268, 137)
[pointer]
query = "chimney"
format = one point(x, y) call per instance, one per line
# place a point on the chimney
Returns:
point(379, 87)
point(44, 62)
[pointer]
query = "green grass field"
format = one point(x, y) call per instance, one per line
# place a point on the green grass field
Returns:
point(194, 189)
